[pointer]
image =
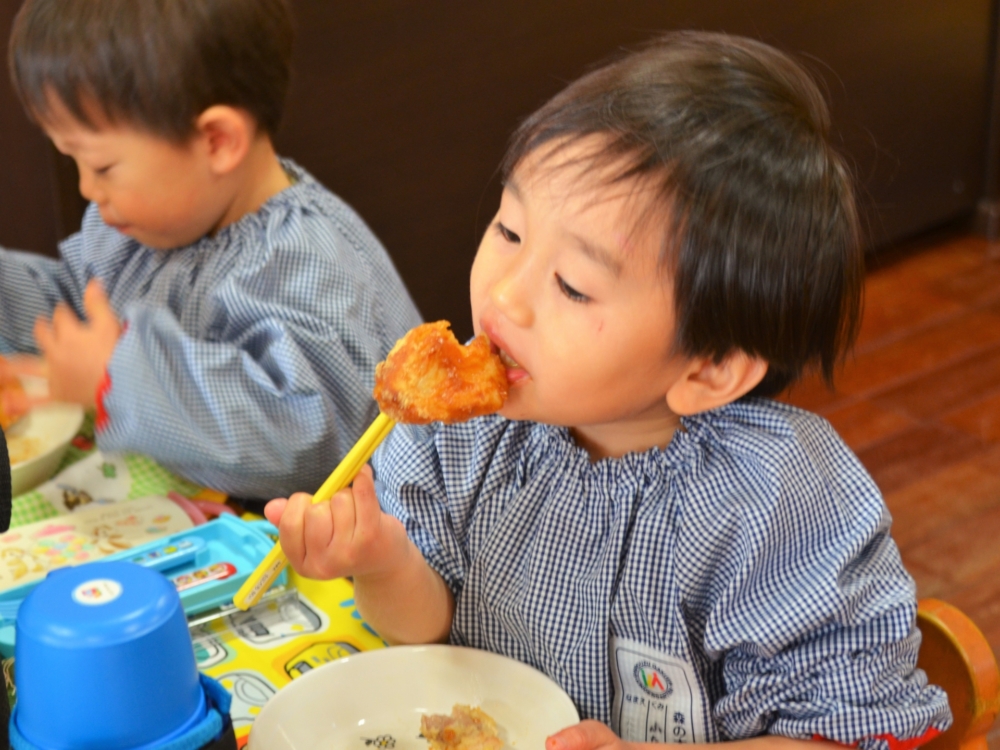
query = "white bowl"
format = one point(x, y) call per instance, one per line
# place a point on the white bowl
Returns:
point(376, 698)
point(53, 426)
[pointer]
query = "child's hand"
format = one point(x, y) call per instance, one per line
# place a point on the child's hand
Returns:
point(14, 400)
point(587, 735)
point(76, 351)
point(347, 536)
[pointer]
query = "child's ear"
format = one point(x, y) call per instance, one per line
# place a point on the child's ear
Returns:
point(706, 384)
point(226, 134)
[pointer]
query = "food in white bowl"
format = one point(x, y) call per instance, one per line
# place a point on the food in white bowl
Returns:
point(377, 699)
point(38, 441)
point(21, 448)
point(465, 728)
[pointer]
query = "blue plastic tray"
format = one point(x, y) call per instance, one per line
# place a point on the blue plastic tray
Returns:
point(207, 564)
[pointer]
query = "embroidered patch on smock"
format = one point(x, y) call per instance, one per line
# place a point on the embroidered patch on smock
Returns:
point(657, 696)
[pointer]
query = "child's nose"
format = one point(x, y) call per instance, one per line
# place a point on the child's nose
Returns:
point(512, 298)
point(88, 187)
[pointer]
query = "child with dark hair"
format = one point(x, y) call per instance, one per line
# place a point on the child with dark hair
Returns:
point(221, 309)
point(690, 560)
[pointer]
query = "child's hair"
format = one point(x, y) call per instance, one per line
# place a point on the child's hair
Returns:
point(153, 64)
point(763, 240)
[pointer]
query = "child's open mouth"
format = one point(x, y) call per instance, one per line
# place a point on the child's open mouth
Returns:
point(507, 360)
point(515, 373)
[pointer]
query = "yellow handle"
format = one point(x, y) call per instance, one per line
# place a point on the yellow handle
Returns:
point(274, 562)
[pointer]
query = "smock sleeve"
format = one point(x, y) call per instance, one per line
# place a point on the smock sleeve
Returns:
point(266, 383)
point(429, 478)
point(809, 609)
point(30, 287)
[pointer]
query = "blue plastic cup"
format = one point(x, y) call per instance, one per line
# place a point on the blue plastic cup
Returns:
point(104, 661)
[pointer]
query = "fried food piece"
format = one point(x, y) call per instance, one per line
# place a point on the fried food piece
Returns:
point(13, 401)
point(468, 728)
point(429, 377)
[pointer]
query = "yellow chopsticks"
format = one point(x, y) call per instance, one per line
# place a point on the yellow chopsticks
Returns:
point(275, 561)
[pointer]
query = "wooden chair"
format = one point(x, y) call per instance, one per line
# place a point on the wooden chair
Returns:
point(956, 656)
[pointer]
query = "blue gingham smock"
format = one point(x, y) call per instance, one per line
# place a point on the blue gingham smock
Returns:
point(247, 362)
point(740, 582)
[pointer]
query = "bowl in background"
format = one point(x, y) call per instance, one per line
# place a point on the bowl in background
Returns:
point(51, 427)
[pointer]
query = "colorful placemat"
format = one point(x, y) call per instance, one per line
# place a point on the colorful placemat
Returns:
point(87, 475)
point(29, 552)
point(256, 653)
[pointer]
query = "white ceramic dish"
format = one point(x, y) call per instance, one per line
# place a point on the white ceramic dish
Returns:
point(374, 700)
point(53, 425)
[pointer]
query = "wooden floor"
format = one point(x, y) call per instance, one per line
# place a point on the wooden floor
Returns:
point(919, 402)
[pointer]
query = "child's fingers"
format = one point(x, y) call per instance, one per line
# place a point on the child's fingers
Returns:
point(274, 510)
point(587, 735)
point(290, 532)
point(366, 506)
point(94, 297)
point(44, 335)
point(318, 534)
point(48, 332)
point(15, 403)
point(23, 364)
point(95, 303)
point(344, 517)
point(63, 318)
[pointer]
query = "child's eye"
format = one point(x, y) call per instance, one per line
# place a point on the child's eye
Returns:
point(103, 170)
point(507, 234)
point(570, 292)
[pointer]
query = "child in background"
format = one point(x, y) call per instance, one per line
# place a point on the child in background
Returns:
point(221, 309)
point(689, 559)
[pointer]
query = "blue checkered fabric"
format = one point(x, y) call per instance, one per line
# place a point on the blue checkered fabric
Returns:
point(248, 360)
point(754, 552)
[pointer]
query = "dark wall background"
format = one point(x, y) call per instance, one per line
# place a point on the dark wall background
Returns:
point(403, 108)
point(28, 200)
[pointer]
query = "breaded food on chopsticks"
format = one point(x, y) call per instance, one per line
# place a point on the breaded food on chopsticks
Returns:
point(428, 376)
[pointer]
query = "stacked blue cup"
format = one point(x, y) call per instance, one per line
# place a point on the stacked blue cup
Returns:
point(104, 660)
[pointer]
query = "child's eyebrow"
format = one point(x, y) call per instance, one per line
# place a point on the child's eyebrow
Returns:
point(594, 252)
point(511, 186)
point(599, 255)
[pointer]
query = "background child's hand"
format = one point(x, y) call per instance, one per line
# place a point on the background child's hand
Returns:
point(347, 536)
point(77, 351)
point(15, 402)
point(587, 735)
